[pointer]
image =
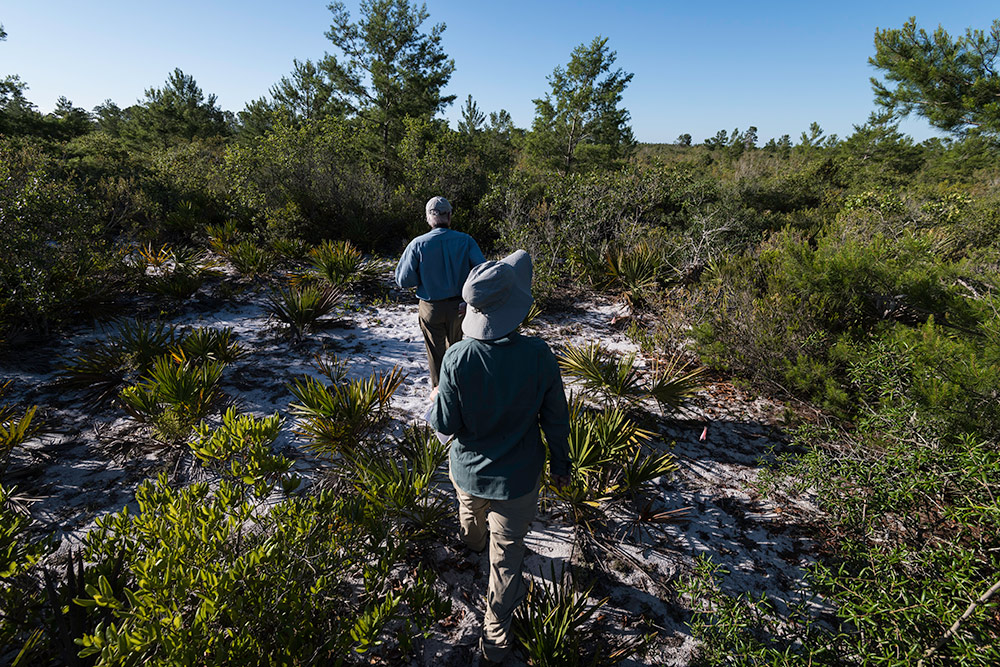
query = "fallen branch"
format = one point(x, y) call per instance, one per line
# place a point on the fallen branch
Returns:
point(954, 628)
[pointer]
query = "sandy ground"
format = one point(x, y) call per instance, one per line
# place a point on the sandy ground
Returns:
point(88, 463)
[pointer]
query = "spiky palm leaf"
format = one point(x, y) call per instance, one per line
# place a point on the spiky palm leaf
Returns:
point(301, 306)
point(552, 623)
point(641, 469)
point(533, 312)
point(673, 384)
point(338, 262)
point(634, 271)
point(337, 418)
point(249, 258)
point(188, 390)
point(15, 428)
point(290, 249)
point(602, 372)
point(405, 492)
point(207, 344)
point(126, 354)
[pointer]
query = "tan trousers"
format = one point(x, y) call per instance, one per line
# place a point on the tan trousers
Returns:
point(441, 324)
point(508, 522)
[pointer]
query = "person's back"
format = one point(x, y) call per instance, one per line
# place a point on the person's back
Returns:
point(497, 388)
point(495, 394)
point(437, 264)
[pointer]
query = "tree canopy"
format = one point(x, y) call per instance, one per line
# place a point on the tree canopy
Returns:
point(953, 83)
point(179, 110)
point(580, 122)
point(387, 69)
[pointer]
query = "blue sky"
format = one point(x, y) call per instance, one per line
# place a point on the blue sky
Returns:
point(699, 66)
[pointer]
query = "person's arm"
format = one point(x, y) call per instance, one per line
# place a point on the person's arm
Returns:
point(475, 254)
point(445, 415)
point(407, 271)
point(553, 418)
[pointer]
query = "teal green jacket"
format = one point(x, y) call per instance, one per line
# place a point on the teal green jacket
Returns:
point(495, 396)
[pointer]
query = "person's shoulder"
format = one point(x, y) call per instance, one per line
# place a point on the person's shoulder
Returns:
point(535, 343)
point(461, 348)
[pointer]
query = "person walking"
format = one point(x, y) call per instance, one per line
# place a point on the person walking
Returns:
point(499, 390)
point(437, 264)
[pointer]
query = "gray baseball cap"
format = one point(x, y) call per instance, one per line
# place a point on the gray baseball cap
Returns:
point(499, 296)
point(438, 205)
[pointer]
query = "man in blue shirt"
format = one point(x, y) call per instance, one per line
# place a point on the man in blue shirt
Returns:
point(498, 391)
point(437, 264)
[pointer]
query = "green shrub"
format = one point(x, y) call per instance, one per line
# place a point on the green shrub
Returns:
point(301, 306)
point(210, 579)
point(58, 258)
point(338, 262)
point(338, 418)
point(174, 395)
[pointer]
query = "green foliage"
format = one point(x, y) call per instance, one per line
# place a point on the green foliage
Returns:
point(209, 578)
point(205, 345)
point(241, 449)
point(14, 428)
point(311, 180)
point(19, 553)
point(338, 418)
point(339, 263)
point(634, 272)
point(951, 83)
point(609, 458)
point(102, 370)
point(249, 258)
point(554, 624)
point(566, 223)
point(58, 258)
point(579, 124)
point(179, 111)
point(747, 629)
point(301, 306)
point(405, 490)
point(387, 70)
point(174, 395)
point(618, 382)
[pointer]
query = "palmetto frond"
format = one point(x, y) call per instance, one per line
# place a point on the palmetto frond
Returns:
point(337, 418)
point(15, 427)
point(249, 258)
point(617, 380)
point(185, 391)
point(552, 622)
point(207, 344)
point(602, 372)
point(101, 371)
point(634, 271)
point(338, 262)
point(301, 306)
point(673, 384)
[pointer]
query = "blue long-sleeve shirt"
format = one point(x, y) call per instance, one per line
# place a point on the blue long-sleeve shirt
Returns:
point(437, 263)
point(495, 397)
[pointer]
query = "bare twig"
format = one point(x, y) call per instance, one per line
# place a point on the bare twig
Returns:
point(954, 628)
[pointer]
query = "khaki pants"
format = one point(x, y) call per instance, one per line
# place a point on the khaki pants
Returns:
point(441, 324)
point(508, 522)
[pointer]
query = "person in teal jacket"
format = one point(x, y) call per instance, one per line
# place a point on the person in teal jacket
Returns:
point(437, 264)
point(498, 391)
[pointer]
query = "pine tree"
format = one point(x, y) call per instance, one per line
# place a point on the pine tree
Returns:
point(580, 123)
point(387, 70)
point(954, 84)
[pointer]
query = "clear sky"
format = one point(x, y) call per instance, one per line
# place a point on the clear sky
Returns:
point(699, 66)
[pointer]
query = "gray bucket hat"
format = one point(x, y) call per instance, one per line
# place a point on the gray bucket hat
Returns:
point(499, 296)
